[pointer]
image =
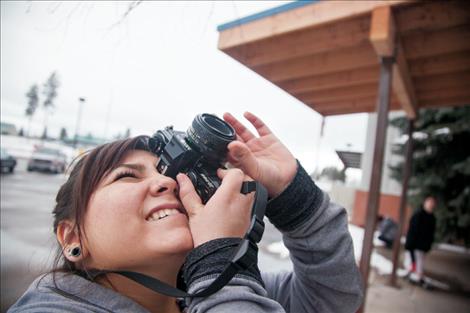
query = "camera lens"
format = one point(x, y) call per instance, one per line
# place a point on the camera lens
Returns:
point(217, 125)
point(210, 135)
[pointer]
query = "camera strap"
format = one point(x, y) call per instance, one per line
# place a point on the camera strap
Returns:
point(244, 257)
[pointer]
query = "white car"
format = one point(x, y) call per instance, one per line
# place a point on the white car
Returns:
point(48, 160)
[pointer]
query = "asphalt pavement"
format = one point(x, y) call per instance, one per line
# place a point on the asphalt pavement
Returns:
point(27, 241)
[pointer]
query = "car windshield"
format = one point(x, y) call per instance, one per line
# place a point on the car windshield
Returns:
point(3, 153)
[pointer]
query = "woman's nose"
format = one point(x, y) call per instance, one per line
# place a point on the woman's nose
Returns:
point(162, 185)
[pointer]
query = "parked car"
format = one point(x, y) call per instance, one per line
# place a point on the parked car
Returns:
point(47, 160)
point(7, 162)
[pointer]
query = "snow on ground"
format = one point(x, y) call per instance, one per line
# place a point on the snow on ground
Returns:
point(378, 262)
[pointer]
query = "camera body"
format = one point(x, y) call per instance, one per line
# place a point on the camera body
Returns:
point(198, 152)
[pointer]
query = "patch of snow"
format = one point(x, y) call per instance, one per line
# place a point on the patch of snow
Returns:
point(377, 261)
point(278, 248)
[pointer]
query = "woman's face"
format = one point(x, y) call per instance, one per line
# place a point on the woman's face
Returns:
point(135, 221)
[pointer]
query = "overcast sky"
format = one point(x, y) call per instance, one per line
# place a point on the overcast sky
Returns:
point(160, 66)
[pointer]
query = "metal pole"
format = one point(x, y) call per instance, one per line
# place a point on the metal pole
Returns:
point(404, 191)
point(79, 117)
point(383, 103)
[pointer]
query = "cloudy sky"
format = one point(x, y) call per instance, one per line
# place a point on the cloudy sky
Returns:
point(159, 66)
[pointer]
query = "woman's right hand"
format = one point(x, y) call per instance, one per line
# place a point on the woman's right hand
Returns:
point(226, 214)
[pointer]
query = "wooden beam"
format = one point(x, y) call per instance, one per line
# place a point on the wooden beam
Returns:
point(357, 103)
point(314, 15)
point(407, 168)
point(451, 101)
point(440, 64)
point(442, 81)
point(344, 34)
point(384, 39)
point(383, 102)
point(346, 107)
point(445, 93)
point(382, 31)
point(335, 61)
point(342, 111)
point(352, 77)
point(431, 15)
point(403, 85)
point(431, 43)
point(342, 93)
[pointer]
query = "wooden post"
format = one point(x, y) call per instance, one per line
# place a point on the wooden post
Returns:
point(383, 104)
point(401, 218)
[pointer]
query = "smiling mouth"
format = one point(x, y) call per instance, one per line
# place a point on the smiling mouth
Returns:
point(161, 214)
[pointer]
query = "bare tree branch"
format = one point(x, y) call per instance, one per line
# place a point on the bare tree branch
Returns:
point(130, 8)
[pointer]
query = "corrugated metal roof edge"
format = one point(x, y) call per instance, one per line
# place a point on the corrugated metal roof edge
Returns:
point(263, 14)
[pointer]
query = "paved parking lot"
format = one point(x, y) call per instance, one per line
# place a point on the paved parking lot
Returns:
point(26, 232)
point(27, 241)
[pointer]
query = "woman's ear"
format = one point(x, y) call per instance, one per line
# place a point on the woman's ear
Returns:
point(69, 239)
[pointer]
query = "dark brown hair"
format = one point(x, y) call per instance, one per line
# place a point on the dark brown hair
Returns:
point(85, 175)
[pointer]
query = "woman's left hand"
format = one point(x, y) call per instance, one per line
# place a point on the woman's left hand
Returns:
point(263, 158)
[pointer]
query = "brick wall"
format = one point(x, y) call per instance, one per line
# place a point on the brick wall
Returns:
point(389, 206)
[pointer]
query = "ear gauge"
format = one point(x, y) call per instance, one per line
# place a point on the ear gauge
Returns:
point(74, 252)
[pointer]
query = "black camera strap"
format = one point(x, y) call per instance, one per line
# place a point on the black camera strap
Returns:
point(244, 256)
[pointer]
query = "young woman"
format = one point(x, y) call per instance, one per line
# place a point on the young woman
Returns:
point(116, 212)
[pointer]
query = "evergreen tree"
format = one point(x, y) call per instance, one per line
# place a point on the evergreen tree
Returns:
point(63, 134)
point(50, 93)
point(332, 173)
point(44, 133)
point(33, 101)
point(441, 168)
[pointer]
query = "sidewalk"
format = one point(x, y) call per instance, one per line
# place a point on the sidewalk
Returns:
point(448, 271)
point(409, 298)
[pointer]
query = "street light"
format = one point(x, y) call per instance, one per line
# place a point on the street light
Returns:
point(81, 100)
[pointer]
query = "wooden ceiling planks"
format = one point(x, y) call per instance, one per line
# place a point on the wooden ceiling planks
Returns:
point(440, 64)
point(349, 33)
point(432, 43)
point(322, 63)
point(332, 66)
point(340, 79)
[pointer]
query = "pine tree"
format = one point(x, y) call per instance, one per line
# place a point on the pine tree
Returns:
point(50, 93)
point(441, 168)
point(333, 174)
point(44, 133)
point(63, 134)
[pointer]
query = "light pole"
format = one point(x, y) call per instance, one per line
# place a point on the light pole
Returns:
point(81, 100)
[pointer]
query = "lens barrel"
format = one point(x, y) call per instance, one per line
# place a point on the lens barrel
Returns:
point(210, 135)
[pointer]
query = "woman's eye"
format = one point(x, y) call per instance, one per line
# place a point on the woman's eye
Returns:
point(124, 175)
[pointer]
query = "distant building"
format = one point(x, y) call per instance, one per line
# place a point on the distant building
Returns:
point(390, 192)
point(8, 129)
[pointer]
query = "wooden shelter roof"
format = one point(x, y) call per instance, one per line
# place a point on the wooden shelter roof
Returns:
point(325, 53)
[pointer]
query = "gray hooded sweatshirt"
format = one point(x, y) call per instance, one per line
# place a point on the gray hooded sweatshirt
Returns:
point(324, 279)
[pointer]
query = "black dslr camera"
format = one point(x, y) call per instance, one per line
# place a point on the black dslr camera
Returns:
point(198, 152)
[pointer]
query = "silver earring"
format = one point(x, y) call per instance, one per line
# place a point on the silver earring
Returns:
point(74, 252)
